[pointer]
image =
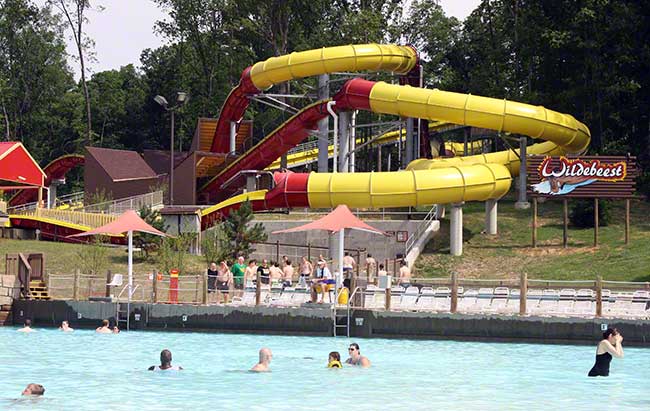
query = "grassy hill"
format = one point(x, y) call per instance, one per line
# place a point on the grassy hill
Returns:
point(510, 253)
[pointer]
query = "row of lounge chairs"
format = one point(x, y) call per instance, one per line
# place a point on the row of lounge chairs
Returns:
point(502, 300)
point(274, 296)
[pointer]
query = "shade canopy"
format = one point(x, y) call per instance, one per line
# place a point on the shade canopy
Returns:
point(129, 221)
point(339, 219)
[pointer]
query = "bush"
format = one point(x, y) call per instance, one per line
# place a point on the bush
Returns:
point(582, 213)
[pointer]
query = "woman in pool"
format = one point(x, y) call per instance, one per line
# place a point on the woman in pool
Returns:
point(334, 360)
point(610, 345)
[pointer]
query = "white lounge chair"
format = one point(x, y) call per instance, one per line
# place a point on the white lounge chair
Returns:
point(396, 293)
point(549, 302)
point(426, 302)
point(567, 301)
point(248, 298)
point(285, 298)
point(409, 298)
point(466, 301)
point(300, 296)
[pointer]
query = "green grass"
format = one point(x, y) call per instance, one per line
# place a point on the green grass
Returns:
point(510, 253)
point(62, 258)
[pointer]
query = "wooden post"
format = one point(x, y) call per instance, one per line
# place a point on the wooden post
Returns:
point(308, 252)
point(388, 296)
point(258, 289)
point(534, 231)
point(523, 293)
point(627, 221)
point(599, 296)
point(595, 222)
point(154, 288)
point(565, 226)
point(108, 280)
point(277, 251)
point(196, 288)
point(75, 285)
point(454, 292)
point(205, 287)
point(358, 261)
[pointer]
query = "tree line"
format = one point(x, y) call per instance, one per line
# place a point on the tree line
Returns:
point(588, 58)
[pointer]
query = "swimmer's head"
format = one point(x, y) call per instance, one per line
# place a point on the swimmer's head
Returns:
point(105, 323)
point(265, 355)
point(28, 323)
point(165, 357)
point(64, 323)
point(34, 389)
point(610, 333)
point(334, 356)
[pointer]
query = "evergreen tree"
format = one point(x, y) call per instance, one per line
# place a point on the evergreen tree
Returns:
point(240, 234)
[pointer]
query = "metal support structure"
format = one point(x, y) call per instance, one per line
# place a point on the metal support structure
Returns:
point(233, 137)
point(456, 230)
point(353, 142)
point(522, 203)
point(251, 183)
point(344, 141)
point(335, 139)
point(491, 217)
point(323, 126)
point(171, 164)
point(130, 272)
point(408, 155)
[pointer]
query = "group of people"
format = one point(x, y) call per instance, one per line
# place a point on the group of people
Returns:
point(266, 355)
point(65, 327)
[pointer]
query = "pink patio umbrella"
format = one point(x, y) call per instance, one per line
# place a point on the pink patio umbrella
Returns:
point(336, 222)
point(128, 222)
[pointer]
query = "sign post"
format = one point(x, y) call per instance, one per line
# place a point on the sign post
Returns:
point(588, 177)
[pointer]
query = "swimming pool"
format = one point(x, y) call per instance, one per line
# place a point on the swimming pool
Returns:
point(85, 371)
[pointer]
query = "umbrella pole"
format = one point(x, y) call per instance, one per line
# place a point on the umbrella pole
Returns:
point(128, 301)
point(341, 246)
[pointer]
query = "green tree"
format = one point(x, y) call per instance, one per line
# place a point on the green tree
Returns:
point(215, 246)
point(149, 242)
point(238, 232)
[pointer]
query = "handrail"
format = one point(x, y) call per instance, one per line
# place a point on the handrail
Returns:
point(424, 224)
point(118, 206)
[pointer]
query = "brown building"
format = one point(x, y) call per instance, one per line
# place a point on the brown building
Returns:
point(117, 173)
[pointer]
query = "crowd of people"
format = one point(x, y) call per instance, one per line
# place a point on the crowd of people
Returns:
point(227, 281)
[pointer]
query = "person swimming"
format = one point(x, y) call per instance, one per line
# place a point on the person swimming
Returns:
point(165, 363)
point(265, 360)
point(334, 360)
point(356, 358)
point(34, 389)
point(610, 345)
point(65, 326)
point(27, 327)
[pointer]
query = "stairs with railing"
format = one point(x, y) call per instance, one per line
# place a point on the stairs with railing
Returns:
point(416, 242)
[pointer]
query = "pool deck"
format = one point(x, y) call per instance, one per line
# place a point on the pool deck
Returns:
point(317, 320)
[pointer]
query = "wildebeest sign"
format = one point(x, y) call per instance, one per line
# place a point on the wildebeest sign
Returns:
point(581, 177)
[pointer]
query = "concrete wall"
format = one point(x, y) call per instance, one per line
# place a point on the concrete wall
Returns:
point(380, 247)
point(316, 320)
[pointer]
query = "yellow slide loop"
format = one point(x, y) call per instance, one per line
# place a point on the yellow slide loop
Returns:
point(374, 57)
point(477, 182)
point(563, 133)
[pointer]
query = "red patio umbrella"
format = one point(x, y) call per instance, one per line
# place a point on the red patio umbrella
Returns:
point(336, 222)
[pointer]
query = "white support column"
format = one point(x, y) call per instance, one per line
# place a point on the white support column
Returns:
point(323, 125)
point(344, 141)
point(340, 262)
point(353, 142)
point(522, 203)
point(51, 195)
point(491, 217)
point(233, 136)
point(456, 230)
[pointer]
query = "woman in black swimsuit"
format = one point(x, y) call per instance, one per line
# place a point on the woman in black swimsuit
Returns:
point(610, 345)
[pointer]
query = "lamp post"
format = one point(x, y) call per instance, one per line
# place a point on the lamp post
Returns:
point(181, 99)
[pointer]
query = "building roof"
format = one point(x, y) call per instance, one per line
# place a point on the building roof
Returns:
point(17, 166)
point(122, 165)
point(158, 160)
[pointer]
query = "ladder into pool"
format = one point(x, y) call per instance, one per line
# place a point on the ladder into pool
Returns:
point(342, 315)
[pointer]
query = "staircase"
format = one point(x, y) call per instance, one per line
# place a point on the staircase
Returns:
point(5, 315)
point(416, 242)
point(38, 290)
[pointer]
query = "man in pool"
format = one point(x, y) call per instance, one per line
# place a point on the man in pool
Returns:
point(265, 360)
point(27, 327)
point(356, 358)
point(165, 363)
point(34, 389)
point(65, 326)
point(104, 329)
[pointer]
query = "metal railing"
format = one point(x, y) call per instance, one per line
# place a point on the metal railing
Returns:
point(119, 206)
point(92, 220)
point(422, 227)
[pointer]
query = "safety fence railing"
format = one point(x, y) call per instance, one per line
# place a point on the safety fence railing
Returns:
point(119, 206)
point(422, 227)
point(74, 217)
point(405, 213)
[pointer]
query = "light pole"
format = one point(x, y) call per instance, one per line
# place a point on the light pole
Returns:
point(181, 99)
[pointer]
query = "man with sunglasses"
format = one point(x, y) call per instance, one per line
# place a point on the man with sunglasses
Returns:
point(356, 358)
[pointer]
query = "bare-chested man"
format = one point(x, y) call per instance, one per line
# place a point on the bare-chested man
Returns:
point(404, 275)
point(27, 327)
point(287, 271)
point(348, 265)
point(104, 329)
point(265, 361)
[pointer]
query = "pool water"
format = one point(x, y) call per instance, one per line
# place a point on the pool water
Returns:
point(86, 371)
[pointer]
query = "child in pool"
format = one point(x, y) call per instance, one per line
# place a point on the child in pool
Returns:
point(334, 360)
